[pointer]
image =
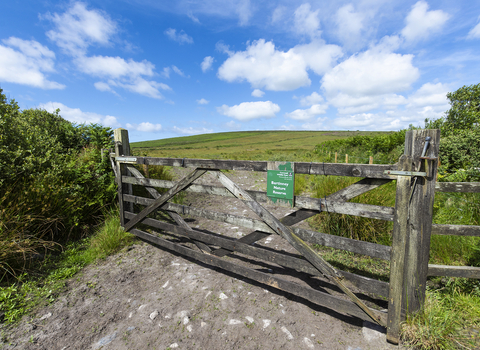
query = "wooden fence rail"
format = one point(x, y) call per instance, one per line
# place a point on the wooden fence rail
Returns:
point(411, 216)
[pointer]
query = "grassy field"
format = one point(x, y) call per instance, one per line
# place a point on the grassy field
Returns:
point(251, 145)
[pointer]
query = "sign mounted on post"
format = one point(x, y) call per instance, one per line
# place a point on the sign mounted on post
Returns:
point(281, 182)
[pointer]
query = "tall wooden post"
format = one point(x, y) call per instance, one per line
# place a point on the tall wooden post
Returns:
point(370, 160)
point(420, 213)
point(346, 158)
point(122, 148)
point(397, 260)
point(336, 156)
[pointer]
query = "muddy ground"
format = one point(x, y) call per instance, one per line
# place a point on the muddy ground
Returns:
point(148, 298)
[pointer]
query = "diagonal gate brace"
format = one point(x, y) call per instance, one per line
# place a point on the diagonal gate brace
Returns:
point(303, 248)
point(181, 185)
point(178, 219)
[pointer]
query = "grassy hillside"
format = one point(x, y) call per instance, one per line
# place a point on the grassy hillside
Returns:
point(240, 145)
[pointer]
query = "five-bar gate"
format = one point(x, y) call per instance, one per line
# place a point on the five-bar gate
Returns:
point(412, 224)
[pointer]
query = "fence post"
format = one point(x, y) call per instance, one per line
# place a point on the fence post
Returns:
point(122, 148)
point(420, 213)
point(336, 156)
point(346, 158)
point(370, 160)
point(397, 260)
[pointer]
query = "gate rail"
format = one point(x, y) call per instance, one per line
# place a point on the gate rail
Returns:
point(412, 219)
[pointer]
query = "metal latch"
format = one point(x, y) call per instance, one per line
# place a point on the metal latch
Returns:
point(128, 160)
point(404, 173)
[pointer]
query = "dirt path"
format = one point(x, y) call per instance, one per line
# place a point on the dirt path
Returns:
point(147, 298)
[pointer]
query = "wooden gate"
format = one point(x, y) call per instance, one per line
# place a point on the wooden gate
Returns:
point(412, 217)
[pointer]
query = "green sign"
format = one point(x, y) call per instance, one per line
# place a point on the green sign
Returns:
point(280, 184)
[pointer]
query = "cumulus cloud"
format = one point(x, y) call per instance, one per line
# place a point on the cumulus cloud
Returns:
point(263, 66)
point(145, 127)
point(306, 22)
point(141, 86)
point(474, 33)
point(76, 115)
point(309, 113)
point(349, 25)
point(311, 100)
point(369, 80)
point(180, 37)
point(102, 86)
point(179, 71)
point(202, 101)
point(78, 28)
point(26, 62)
point(206, 63)
point(421, 23)
point(191, 130)
point(257, 93)
point(433, 95)
point(250, 110)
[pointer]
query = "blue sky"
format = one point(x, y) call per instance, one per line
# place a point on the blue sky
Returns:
point(172, 68)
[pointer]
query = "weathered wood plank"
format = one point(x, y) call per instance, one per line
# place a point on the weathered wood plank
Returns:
point(366, 284)
point(338, 169)
point(357, 189)
point(456, 230)
point(320, 204)
point(454, 271)
point(186, 181)
point(303, 248)
point(471, 187)
point(397, 262)
point(328, 301)
point(420, 216)
point(177, 218)
point(313, 237)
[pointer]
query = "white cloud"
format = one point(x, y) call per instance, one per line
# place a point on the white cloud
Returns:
point(430, 95)
point(317, 124)
point(127, 74)
point(114, 67)
point(318, 56)
point(76, 115)
point(250, 110)
point(309, 113)
point(142, 87)
point(311, 100)
point(364, 121)
point(78, 28)
point(166, 72)
point(202, 101)
point(102, 86)
point(145, 127)
point(349, 25)
point(244, 12)
point(474, 33)
point(278, 14)
point(26, 62)
point(180, 37)
point(306, 21)
point(191, 131)
point(207, 63)
point(178, 71)
point(369, 80)
point(257, 93)
point(263, 66)
point(421, 23)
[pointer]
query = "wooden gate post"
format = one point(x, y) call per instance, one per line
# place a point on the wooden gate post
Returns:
point(122, 148)
point(397, 260)
point(420, 215)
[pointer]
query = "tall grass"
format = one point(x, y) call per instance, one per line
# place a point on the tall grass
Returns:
point(355, 227)
point(31, 291)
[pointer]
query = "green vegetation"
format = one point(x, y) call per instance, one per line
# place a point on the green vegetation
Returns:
point(54, 183)
point(29, 292)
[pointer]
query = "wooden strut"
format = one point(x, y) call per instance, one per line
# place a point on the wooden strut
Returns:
point(177, 218)
point(303, 248)
point(182, 184)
